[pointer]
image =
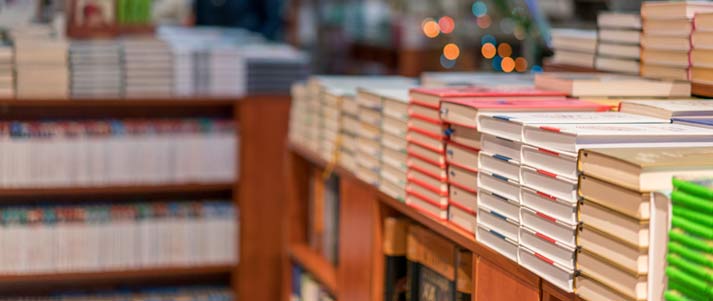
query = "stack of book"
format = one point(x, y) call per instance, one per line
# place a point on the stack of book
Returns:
point(96, 69)
point(368, 143)
point(300, 115)
point(7, 72)
point(41, 66)
point(305, 288)
point(108, 237)
point(148, 68)
point(625, 220)
point(618, 42)
point(600, 85)
point(574, 47)
point(445, 79)
point(702, 55)
point(224, 72)
point(689, 251)
point(677, 110)
point(183, 70)
point(218, 293)
point(394, 127)
point(666, 40)
point(270, 68)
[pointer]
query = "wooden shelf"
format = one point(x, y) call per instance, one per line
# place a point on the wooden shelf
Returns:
point(315, 265)
point(128, 102)
point(117, 191)
point(452, 233)
point(118, 277)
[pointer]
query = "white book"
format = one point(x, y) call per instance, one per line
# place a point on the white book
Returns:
point(463, 178)
point(628, 66)
point(392, 175)
point(619, 20)
point(549, 227)
point(462, 218)
point(392, 190)
point(394, 159)
point(572, 137)
point(507, 149)
point(549, 205)
point(500, 185)
point(623, 36)
point(497, 241)
point(560, 163)
point(557, 274)
point(499, 165)
point(549, 183)
point(632, 52)
point(498, 222)
point(464, 199)
point(668, 109)
point(393, 126)
point(558, 252)
point(507, 207)
point(511, 125)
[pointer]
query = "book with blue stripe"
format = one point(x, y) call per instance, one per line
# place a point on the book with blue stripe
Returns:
point(697, 122)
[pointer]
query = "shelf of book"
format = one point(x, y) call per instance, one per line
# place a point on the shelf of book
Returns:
point(120, 191)
point(315, 265)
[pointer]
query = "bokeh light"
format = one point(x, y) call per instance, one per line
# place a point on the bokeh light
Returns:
point(519, 33)
point(521, 64)
point(536, 69)
point(508, 64)
point(484, 21)
point(430, 28)
point(446, 63)
point(446, 24)
point(507, 25)
point(504, 50)
point(451, 51)
point(496, 63)
point(479, 8)
point(488, 50)
point(488, 38)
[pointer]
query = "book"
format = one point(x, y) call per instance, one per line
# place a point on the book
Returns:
point(572, 137)
point(574, 39)
point(664, 72)
point(395, 262)
point(629, 52)
point(627, 201)
point(431, 97)
point(674, 10)
point(498, 242)
point(465, 111)
point(591, 289)
point(702, 58)
point(631, 257)
point(618, 20)
point(702, 40)
point(627, 283)
point(511, 125)
point(504, 206)
point(608, 85)
point(623, 227)
point(547, 247)
point(617, 65)
point(463, 135)
point(494, 220)
point(645, 169)
point(463, 178)
point(463, 218)
point(549, 205)
point(548, 227)
point(668, 27)
point(557, 274)
point(573, 58)
point(624, 36)
point(668, 109)
point(700, 187)
point(665, 50)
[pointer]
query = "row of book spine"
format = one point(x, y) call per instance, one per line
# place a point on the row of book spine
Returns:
point(107, 237)
point(305, 288)
point(162, 293)
point(116, 152)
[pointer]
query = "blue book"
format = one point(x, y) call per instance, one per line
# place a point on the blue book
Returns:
point(705, 122)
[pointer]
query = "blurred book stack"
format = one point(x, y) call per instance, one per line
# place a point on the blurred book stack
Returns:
point(665, 42)
point(702, 55)
point(148, 68)
point(7, 72)
point(221, 72)
point(618, 42)
point(270, 68)
point(574, 47)
point(96, 69)
point(41, 66)
point(183, 70)
point(689, 250)
point(368, 129)
point(394, 127)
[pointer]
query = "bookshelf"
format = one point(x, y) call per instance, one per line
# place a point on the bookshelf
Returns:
point(362, 209)
point(262, 128)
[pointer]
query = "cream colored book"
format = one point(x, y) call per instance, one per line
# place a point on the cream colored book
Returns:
point(590, 289)
point(703, 21)
point(619, 20)
point(629, 284)
point(577, 40)
point(663, 72)
point(608, 85)
point(619, 51)
point(567, 57)
point(628, 66)
point(702, 58)
point(631, 230)
point(702, 40)
point(666, 57)
point(624, 36)
point(646, 169)
point(667, 109)
point(626, 201)
point(671, 27)
point(674, 9)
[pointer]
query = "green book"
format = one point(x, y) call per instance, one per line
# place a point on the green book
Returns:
point(692, 228)
point(681, 198)
point(701, 187)
point(693, 215)
point(690, 282)
point(673, 295)
point(682, 291)
point(679, 235)
point(686, 252)
point(701, 272)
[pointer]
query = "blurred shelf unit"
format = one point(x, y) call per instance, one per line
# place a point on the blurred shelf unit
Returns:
point(361, 263)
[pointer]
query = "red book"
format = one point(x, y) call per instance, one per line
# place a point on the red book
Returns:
point(464, 111)
point(431, 97)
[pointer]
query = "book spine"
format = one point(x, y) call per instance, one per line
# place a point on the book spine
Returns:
point(693, 269)
point(694, 216)
point(680, 198)
point(680, 291)
point(686, 252)
point(692, 228)
point(690, 282)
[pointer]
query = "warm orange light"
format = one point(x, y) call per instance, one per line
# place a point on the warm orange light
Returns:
point(451, 51)
point(519, 33)
point(508, 64)
point(488, 50)
point(484, 21)
point(504, 50)
point(430, 28)
point(520, 64)
point(446, 24)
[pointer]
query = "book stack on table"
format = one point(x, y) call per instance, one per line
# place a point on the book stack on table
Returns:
point(702, 55)
point(618, 42)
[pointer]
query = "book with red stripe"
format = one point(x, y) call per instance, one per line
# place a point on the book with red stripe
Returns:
point(559, 275)
point(434, 171)
point(464, 199)
point(427, 194)
point(549, 183)
point(463, 178)
point(549, 247)
point(462, 135)
point(426, 207)
point(426, 127)
point(433, 96)
point(425, 154)
point(562, 164)
point(435, 185)
point(549, 205)
point(462, 218)
point(562, 232)
point(424, 113)
point(510, 125)
point(466, 110)
point(462, 156)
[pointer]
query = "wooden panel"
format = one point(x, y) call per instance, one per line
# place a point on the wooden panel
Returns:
point(496, 284)
point(553, 293)
point(356, 222)
point(702, 90)
point(315, 265)
point(263, 127)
